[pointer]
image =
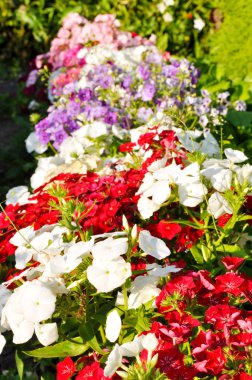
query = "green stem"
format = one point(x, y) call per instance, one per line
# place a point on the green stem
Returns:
point(125, 297)
point(101, 329)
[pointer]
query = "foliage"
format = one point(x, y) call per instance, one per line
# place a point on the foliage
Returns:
point(28, 26)
point(230, 46)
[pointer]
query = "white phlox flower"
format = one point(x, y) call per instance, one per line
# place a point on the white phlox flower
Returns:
point(31, 303)
point(33, 145)
point(218, 205)
point(220, 172)
point(107, 275)
point(143, 289)
point(155, 188)
point(71, 259)
point(198, 24)
point(190, 188)
point(129, 349)
point(153, 246)
point(110, 249)
point(19, 194)
point(113, 326)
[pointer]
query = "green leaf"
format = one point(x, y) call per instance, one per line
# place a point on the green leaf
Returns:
point(87, 333)
point(19, 364)
point(232, 249)
point(239, 118)
point(197, 255)
point(138, 320)
point(220, 86)
point(61, 349)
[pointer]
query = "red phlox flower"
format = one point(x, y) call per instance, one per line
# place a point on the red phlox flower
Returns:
point(164, 229)
point(242, 376)
point(184, 286)
point(184, 373)
point(223, 219)
point(65, 369)
point(242, 340)
point(232, 263)
point(92, 372)
point(126, 147)
point(146, 139)
point(216, 361)
point(187, 237)
point(222, 315)
point(229, 283)
point(170, 359)
point(205, 279)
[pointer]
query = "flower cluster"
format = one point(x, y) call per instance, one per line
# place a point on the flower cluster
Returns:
point(76, 32)
point(132, 254)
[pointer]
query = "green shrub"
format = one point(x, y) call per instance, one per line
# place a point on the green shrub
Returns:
point(231, 45)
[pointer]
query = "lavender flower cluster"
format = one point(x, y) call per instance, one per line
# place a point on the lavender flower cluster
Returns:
point(125, 91)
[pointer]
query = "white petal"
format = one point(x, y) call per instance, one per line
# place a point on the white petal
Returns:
point(161, 192)
point(80, 249)
point(47, 333)
point(23, 332)
point(146, 184)
point(113, 362)
point(159, 271)
point(153, 246)
point(23, 236)
point(113, 326)
point(130, 349)
point(235, 156)
point(110, 249)
point(157, 164)
point(106, 276)
point(147, 207)
point(218, 205)
point(23, 256)
point(191, 195)
point(149, 342)
point(2, 343)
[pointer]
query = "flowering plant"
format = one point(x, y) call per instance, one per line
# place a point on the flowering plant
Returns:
point(131, 256)
point(138, 254)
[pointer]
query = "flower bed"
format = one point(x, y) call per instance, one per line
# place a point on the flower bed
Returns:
point(132, 253)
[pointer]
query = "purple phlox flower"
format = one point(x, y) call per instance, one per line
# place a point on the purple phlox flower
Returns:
point(201, 109)
point(85, 94)
point(222, 96)
point(174, 62)
point(144, 113)
point(204, 93)
point(101, 70)
point(110, 118)
point(240, 105)
point(222, 110)
point(169, 71)
point(148, 92)
point(173, 83)
point(73, 108)
point(104, 81)
point(127, 82)
point(43, 137)
point(68, 88)
point(126, 122)
point(95, 112)
point(154, 58)
point(59, 137)
point(72, 126)
point(203, 120)
point(144, 72)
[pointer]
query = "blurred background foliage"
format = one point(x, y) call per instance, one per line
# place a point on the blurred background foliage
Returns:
point(221, 47)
